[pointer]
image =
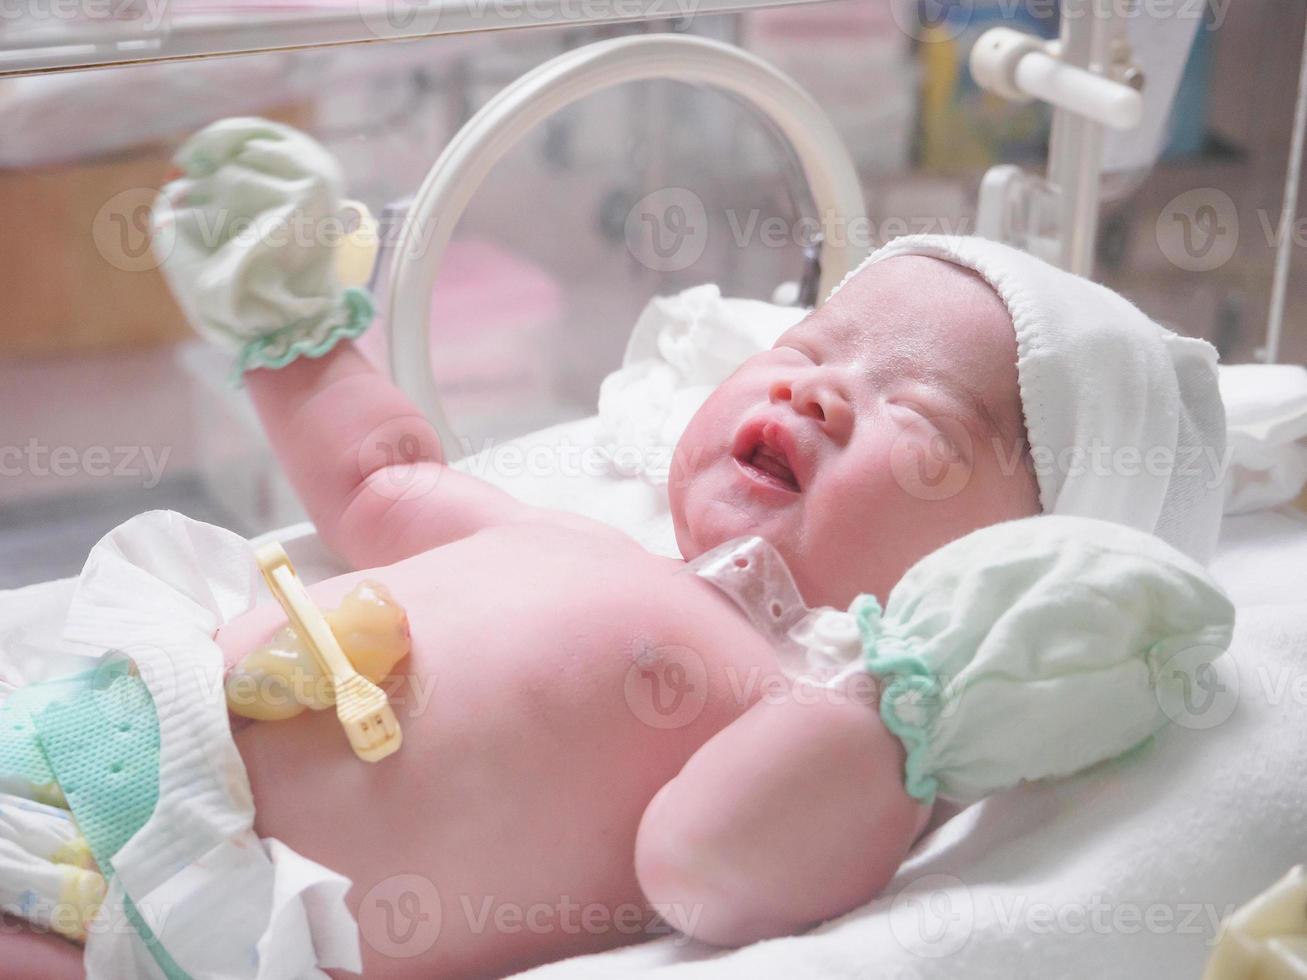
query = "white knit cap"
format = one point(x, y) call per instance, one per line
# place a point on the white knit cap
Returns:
point(1124, 417)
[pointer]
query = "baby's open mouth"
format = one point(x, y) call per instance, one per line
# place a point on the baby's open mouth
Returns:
point(765, 460)
point(772, 465)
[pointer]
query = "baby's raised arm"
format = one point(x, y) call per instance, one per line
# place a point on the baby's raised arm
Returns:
point(366, 463)
point(246, 236)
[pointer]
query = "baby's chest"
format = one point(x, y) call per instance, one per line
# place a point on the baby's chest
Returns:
point(568, 626)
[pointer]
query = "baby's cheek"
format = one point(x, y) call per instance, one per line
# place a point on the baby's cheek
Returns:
point(851, 507)
point(890, 508)
point(707, 436)
point(930, 462)
point(882, 477)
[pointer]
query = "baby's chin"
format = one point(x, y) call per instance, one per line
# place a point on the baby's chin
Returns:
point(694, 537)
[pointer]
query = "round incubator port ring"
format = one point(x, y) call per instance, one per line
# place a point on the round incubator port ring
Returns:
point(511, 114)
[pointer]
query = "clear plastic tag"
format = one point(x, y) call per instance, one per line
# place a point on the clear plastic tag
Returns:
point(822, 645)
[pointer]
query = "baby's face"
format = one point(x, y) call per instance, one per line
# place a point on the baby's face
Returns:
point(883, 426)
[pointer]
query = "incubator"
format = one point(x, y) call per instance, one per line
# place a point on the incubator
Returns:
point(505, 304)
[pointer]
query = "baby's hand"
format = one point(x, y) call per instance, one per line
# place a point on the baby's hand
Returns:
point(794, 813)
point(247, 238)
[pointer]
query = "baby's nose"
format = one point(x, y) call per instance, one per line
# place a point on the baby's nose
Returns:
point(820, 399)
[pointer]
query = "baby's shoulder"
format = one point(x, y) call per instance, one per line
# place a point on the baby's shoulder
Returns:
point(569, 569)
point(579, 524)
point(586, 550)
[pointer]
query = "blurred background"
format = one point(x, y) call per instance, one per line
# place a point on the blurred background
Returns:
point(108, 407)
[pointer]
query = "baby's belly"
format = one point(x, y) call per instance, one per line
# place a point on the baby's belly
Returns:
point(555, 684)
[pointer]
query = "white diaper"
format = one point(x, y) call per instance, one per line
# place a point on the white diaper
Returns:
point(219, 901)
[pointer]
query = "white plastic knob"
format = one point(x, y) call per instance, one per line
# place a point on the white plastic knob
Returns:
point(1020, 67)
point(994, 60)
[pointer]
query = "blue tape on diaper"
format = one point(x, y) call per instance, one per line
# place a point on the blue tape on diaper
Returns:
point(97, 735)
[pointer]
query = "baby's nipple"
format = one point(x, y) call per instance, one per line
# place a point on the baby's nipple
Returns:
point(282, 678)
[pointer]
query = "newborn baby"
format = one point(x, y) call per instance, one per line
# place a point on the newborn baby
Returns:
point(540, 768)
point(531, 755)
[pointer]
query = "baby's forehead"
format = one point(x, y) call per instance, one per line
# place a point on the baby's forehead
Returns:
point(918, 305)
point(923, 319)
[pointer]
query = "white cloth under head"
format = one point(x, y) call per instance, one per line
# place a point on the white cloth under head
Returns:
point(1123, 417)
point(156, 588)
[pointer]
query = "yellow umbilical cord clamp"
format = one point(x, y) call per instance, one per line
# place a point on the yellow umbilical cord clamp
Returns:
point(362, 708)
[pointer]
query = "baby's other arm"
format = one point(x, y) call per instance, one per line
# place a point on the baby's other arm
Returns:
point(366, 463)
point(794, 813)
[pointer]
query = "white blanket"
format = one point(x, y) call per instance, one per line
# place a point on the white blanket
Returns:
point(1125, 871)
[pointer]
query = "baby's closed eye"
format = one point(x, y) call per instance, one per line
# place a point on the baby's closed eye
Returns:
point(946, 431)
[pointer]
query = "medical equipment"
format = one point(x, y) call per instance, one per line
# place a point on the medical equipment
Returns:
point(283, 677)
point(1078, 76)
point(362, 707)
point(1090, 834)
point(489, 134)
